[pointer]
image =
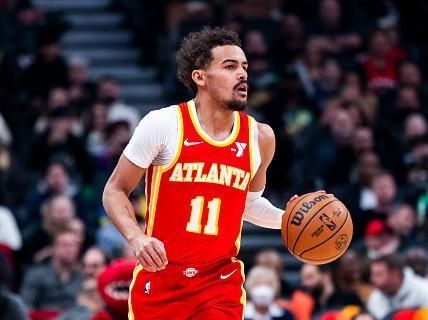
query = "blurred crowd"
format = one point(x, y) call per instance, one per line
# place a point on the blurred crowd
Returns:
point(342, 83)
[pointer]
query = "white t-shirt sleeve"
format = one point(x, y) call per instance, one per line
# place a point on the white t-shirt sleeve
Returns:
point(154, 139)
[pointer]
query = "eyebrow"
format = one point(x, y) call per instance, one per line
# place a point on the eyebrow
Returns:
point(234, 61)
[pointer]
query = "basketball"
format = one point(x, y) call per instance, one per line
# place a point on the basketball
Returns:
point(317, 228)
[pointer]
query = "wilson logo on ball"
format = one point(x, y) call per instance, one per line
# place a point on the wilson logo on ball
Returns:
point(304, 209)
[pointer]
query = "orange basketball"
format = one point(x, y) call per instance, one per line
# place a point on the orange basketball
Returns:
point(317, 228)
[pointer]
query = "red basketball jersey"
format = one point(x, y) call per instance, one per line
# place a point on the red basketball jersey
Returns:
point(196, 204)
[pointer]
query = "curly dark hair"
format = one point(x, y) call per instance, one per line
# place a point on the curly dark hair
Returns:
point(195, 51)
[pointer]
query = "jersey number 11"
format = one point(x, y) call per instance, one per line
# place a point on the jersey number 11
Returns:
point(194, 225)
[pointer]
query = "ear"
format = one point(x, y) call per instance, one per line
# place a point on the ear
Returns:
point(198, 77)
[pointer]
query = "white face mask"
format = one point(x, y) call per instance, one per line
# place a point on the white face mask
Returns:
point(262, 295)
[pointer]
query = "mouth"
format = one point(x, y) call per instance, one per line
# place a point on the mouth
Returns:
point(242, 88)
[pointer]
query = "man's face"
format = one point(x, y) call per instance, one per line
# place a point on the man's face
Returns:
point(66, 248)
point(385, 280)
point(93, 263)
point(226, 77)
point(312, 279)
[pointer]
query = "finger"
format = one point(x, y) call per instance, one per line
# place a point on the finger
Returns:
point(145, 264)
point(155, 257)
point(160, 249)
point(150, 260)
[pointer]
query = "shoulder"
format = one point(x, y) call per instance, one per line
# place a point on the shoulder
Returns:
point(266, 134)
point(266, 140)
point(164, 116)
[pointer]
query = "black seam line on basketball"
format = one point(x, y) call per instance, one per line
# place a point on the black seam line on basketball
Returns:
point(288, 219)
point(319, 244)
point(313, 217)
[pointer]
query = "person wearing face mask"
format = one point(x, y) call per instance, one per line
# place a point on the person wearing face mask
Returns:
point(318, 282)
point(263, 286)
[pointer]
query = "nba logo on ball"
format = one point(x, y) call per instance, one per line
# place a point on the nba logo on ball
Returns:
point(317, 228)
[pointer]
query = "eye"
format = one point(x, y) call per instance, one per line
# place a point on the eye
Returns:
point(230, 67)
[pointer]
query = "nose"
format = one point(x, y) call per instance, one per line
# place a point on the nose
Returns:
point(242, 74)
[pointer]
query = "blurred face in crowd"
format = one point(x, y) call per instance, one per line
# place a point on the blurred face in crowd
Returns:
point(50, 52)
point(384, 188)
point(58, 97)
point(417, 259)
point(402, 220)
point(368, 166)
point(93, 262)
point(270, 259)
point(66, 248)
point(99, 117)
point(313, 53)
point(408, 99)
point(363, 140)
point(415, 126)
point(78, 73)
point(386, 280)
point(331, 74)
point(255, 43)
point(409, 75)
point(109, 91)
point(225, 79)
point(379, 45)
point(342, 126)
point(262, 284)
point(350, 268)
point(292, 26)
point(60, 210)
point(57, 177)
point(330, 12)
point(312, 279)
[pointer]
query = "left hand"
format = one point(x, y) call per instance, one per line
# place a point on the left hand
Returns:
point(291, 200)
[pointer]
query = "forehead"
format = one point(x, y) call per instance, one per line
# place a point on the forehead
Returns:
point(228, 52)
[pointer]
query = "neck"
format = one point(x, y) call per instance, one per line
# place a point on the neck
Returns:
point(215, 119)
point(327, 292)
point(261, 310)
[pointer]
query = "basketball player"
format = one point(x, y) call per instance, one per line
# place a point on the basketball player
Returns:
point(205, 165)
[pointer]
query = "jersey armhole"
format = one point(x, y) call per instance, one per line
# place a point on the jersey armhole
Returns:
point(179, 141)
point(255, 158)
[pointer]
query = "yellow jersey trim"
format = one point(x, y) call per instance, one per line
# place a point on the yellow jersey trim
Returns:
point(137, 270)
point(156, 177)
point(179, 143)
point(205, 136)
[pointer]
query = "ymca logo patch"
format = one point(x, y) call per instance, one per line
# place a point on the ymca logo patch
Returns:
point(240, 148)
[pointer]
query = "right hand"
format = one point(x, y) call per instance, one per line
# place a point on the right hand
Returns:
point(150, 252)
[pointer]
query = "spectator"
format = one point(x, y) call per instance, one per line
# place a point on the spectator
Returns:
point(58, 143)
point(11, 305)
point(88, 305)
point(57, 291)
point(417, 259)
point(380, 240)
point(262, 285)
point(348, 272)
point(380, 66)
point(271, 258)
point(57, 212)
point(402, 221)
point(396, 287)
point(82, 90)
point(385, 189)
point(49, 69)
point(109, 94)
point(93, 262)
point(318, 282)
point(95, 129)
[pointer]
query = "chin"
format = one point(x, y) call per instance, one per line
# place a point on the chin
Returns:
point(237, 105)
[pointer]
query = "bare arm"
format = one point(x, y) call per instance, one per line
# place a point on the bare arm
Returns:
point(267, 150)
point(258, 209)
point(125, 177)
